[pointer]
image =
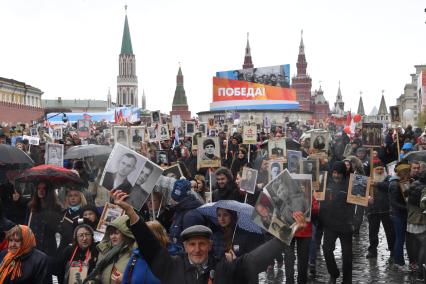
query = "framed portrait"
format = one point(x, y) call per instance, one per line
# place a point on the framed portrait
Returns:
point(390, 168)
point(31, 140)
point(277, 148)
point(358, 190)
point(294, 158)
point(248, 180)
point(310, 167)
point(54, 154)
point(304, 182)
point(109, 214)
point(137, 136)
point(83, 128)
point(162, 158)
point(371, 134)
point(249, 134)
point(176, 121)
point(181, 133)
point(263, 211)
point(319, 140)
point(153, 134)
point(211, 123)
point(57, 133)
point(163, 132)
point(394, 112)
point(208, 152)
point(173, 172)
point(274, 169)
point(107, 133)
point(281, 230)
point(121, 135)
point(156, 117)
point(195, 139)
point(34, 132)
point(202, 127)
point(213, 132)
point(320, 186)
point(189, 128)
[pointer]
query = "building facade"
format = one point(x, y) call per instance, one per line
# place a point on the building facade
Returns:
point(75, 105)
point(127, 81)
point(321, 108)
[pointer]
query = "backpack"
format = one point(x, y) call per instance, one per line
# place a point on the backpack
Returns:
point(137, 271)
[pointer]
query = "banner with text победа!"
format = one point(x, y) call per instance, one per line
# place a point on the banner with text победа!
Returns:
point(234, 94)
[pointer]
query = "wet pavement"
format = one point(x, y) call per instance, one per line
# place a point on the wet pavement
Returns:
point(376, 270)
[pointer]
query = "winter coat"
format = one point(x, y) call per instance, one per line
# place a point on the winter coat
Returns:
point(15, 211)
point(44, 225)
point(397, 205)
point(177, 269)
point(34, 268)
point(185, 216)
point(137, 271)
point(64, 257)
point(119, 263)
point(380, 198)
point(67, 225)
point(230, 192)
point(335, 213)
point(414, 212)
point(244, 242)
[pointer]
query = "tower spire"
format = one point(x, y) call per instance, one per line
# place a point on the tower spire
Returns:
point(180, 103)
point(360, 110)
point(143, 100)
point(383, 109)
point(126, 43)
point(247, 57)
point(302, 45)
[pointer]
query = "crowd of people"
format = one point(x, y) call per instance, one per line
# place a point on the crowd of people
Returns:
point(46, 230)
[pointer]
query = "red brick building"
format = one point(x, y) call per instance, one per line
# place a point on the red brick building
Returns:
point(180, 103)
point(12, 113)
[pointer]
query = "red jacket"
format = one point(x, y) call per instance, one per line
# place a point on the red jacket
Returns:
point(307, 232)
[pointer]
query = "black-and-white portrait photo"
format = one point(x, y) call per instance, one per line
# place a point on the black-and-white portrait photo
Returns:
point(277, 148)
point(287, 197)
point(164, 132)
point(156, 117)
point(371, 134)
point(57, 133)
point(294, 159)
point(137, 135)
point(208, 152)
point(54, 154)
point(173, 172)
point(122, 168)
point(310, 167)
point(34, 132)
point(394, 111)
point(319, 141)
point(202, 127)
point(263, 211)
point(153, 134)
point(195, 138)
point(304, 182)
point(358, 190)
point(275, 168)
point(181, 133)
point(162, 158)
point(120, 135)
point(189, 128)
point(248, 180)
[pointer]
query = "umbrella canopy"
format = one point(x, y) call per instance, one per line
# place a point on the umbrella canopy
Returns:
point(292, 144)
point(50, 174)
point(416, 156)
point(84, 151)
point(13, 157)
point(243, 210)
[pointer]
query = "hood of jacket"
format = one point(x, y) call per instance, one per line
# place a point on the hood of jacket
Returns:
point(394, 178)
point(187, 203)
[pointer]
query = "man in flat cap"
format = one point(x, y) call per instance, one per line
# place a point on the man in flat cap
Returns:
point(196, 266)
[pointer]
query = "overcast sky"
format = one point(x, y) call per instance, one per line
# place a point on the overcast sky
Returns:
point(70, 49)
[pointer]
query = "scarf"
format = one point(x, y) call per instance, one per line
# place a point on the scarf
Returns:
point(12, 263)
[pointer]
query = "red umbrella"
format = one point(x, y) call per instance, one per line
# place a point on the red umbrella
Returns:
point(50, 174)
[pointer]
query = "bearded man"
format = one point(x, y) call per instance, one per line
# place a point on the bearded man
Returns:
point(378, 211)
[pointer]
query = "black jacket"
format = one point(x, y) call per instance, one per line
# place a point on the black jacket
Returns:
point(230, 192)
point(335, 213)
point(177, 269)
point(397, 204)
point(66, 226)
point(380, 198)
point(15, 211)
point(34, 268)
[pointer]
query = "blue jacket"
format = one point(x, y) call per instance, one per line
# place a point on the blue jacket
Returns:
point(137, 271)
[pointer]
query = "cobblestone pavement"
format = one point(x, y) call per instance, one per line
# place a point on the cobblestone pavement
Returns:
point(364, 270)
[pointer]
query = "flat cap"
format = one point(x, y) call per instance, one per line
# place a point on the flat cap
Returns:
point(196, 231)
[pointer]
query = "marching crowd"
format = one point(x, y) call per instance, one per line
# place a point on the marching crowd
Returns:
point(52, 232)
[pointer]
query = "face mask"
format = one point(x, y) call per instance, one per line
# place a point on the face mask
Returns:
point(75, 208)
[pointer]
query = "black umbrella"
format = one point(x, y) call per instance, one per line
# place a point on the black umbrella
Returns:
point(416, 156)
point(12, 157)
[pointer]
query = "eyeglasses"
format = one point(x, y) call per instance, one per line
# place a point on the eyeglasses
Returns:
point(84, 235)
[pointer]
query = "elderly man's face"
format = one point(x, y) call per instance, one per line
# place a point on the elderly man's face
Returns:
point(197, 249)
point(126, 166)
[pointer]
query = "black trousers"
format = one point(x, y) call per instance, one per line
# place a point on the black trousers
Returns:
point(328, 247)
point(374, 221)
point(302, 260)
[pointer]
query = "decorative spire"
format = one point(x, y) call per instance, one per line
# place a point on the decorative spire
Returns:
point(360, 110)
point(383, 109)
point(339, 93)
point(301, 46)
point(126, 44)
point(179, 98)
point(143, 99)
point(247, 57)
point(109, 98)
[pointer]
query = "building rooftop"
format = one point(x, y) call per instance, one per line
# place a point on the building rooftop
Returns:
point(76, 103)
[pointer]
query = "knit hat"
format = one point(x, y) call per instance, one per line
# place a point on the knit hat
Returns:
point(180, 189)
point(339, 167)
point(86, 226)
